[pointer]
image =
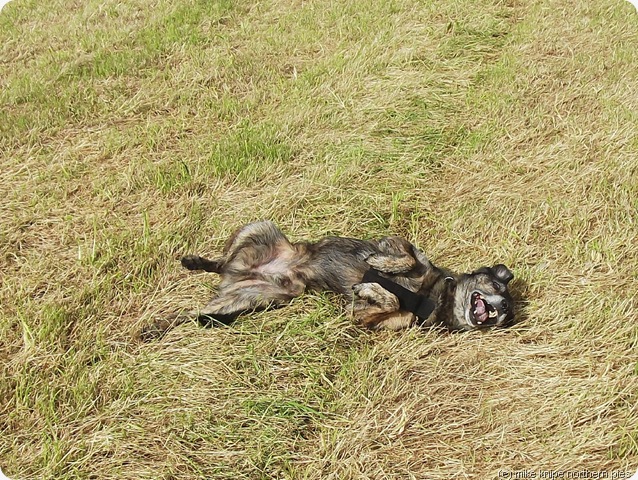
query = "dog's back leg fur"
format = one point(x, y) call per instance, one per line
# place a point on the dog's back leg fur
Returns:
point(255, 274)
point(256, 237)
point(245, 296)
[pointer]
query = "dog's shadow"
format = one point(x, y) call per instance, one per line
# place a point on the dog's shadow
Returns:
point(519, 289)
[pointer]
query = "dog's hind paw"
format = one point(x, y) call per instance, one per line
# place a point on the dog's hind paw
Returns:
point(154, 331)
point(159, 328)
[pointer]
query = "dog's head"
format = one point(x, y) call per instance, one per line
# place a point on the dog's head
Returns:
point(482, 299)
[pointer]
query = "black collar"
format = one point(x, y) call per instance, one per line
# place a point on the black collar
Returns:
point(409, 301)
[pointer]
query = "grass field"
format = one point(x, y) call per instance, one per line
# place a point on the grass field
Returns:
point(134, 132)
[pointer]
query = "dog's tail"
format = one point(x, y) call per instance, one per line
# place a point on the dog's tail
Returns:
point(195, 262)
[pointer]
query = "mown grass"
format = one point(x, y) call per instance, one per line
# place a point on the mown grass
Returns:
point(132, 133)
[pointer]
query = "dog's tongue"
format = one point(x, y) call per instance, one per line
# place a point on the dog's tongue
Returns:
point(480, 312)
point(480, 307)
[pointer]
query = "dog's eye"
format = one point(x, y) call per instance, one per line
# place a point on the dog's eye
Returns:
point(497, 285)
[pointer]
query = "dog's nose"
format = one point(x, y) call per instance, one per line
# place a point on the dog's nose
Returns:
point(505, 305)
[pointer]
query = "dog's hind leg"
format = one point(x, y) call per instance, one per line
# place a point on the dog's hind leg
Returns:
point(241, 297)
point(256, 236)
point(233, 300)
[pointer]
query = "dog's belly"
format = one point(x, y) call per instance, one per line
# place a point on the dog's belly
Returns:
point(333, 264)
point(336, 264)
point(277, 267)
point(282, 270)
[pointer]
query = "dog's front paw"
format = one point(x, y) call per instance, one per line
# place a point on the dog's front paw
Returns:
point(375, 294)
point(390, 263)
point(366, 291)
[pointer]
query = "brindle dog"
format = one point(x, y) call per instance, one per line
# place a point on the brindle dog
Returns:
point(260, 268)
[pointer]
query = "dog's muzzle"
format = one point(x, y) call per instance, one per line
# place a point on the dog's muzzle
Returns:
point(482, 312)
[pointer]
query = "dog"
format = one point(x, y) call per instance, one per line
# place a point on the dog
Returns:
point(261, 268)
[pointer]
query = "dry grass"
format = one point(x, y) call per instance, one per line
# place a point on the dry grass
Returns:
point(133, 132)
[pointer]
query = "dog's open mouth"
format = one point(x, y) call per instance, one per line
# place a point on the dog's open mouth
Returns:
point(482, 312)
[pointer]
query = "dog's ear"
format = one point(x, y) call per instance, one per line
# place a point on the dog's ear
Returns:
point(503, 273)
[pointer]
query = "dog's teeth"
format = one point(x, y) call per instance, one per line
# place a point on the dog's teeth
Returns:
point(493, 314)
